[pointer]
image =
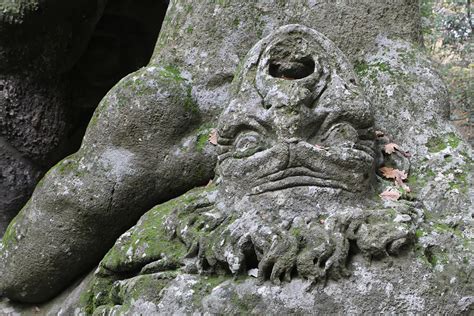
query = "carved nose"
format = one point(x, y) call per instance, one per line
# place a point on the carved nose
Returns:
point(292, 144)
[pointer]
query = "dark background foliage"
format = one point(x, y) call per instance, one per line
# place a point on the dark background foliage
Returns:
point(448, 33)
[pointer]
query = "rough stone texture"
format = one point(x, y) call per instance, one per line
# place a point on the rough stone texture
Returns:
point(58, 59)
point(318, 251)
point(14, 184)
point(95, 194)
point(232, 28)
point(442, 259)
point(37, 42)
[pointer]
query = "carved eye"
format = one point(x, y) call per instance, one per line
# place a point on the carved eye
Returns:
point(247, 144)
point(340, 134)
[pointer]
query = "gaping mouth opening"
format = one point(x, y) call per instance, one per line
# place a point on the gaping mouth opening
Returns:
point(296, 177)
point(291, 69)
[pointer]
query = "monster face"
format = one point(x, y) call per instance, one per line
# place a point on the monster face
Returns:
point(298, 121)
point(294, 172)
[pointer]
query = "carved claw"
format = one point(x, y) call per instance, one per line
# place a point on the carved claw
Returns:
point(382, 239)
point(317, 248)
point(279, 260)
point(336, 264)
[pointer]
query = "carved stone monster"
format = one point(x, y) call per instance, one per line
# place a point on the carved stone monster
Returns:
point(293, 194)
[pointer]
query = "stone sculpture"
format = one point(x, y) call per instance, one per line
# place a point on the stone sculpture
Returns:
point(57, 61)
point(298, 136)
point(164, 112)
point(295, 196)
point(295, 174)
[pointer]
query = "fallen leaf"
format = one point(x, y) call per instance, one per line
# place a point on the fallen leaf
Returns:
point(390, 194)
point(391, 148)
point(391, 173)
point(397, 175)
point(213, 137)
point(379, 134)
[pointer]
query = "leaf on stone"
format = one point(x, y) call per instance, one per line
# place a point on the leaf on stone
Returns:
point(391, 148)
point(397, 175)
point(391, 173)
point(379, 134)
point(213, 137)
point(390, 195)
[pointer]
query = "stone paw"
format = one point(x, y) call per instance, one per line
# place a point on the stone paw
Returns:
point(384, 238)
point(386, 231)
point(322, 253)
point(279, 260)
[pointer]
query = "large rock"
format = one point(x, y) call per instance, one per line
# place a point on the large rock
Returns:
point(272, 216)
point(85, 202)
point(38, 42)
point(57, 60)
point(366, 33)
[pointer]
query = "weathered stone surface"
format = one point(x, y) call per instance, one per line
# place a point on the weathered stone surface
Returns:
point(14, 184)
point(319, 252)
point(57, 61)
point(38, 41)
point(443, 241)
point(231, 28)
point(95, 194)
point(290, 231)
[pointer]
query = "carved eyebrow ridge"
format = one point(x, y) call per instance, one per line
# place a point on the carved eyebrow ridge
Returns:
point(253, 123)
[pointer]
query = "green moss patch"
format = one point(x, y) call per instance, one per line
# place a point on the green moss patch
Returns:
point(363, 69)
point(440, 143)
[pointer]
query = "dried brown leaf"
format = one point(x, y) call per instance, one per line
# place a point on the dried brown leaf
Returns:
point(390, 194)
point(391, 148)
point(213, 137)
point(397, 175)
point(391, 173)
